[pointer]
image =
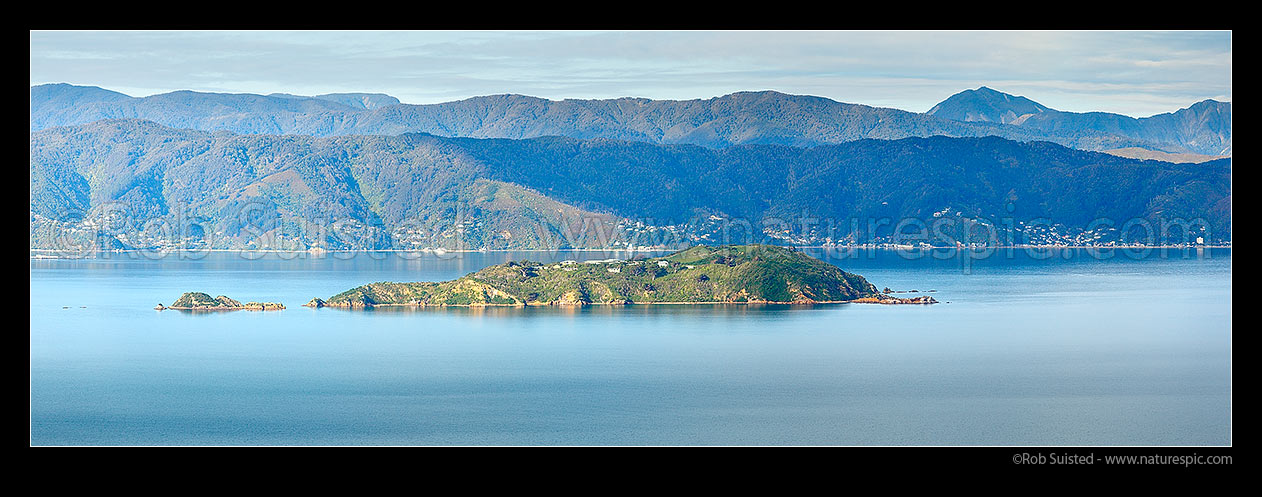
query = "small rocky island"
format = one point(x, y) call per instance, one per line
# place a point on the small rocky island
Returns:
point(733, 274)
point(198, 301)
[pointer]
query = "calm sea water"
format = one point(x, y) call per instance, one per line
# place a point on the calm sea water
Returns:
point(1064, 350)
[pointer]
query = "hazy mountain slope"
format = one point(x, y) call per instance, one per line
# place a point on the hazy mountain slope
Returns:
point(60, 105)
point(62, 94)
point(342, 192)
point(987, 105)
point(866, 179)
point(364, 101)
point(420, 190)
point(357, 101)
point(1145, 154)
point(739, 118)
point(765, 117)
point(1203, 128)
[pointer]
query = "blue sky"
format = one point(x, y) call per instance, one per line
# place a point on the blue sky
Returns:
point(1128, 72)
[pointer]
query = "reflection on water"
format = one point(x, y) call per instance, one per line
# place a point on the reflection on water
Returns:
point(508, 311)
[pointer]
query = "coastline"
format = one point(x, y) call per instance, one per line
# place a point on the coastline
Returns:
point(39, 253)
point(862, 300)
point(251, 306)
point(243, 308)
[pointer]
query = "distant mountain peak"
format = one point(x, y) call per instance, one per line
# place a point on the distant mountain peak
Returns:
point(1209, 103)
point(987, 105)
point(745, 117)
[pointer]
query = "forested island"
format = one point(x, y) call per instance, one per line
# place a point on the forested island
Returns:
point(744, 274)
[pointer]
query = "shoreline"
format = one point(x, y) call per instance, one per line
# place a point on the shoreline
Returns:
point(862, 300)
point(217, 309)
point(39, 253)
point(269, 306)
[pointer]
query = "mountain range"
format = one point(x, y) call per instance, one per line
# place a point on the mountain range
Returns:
point(133, 183)
point(1203, 128)
point(764, 117)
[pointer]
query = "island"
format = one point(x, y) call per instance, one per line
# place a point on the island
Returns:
point(732, 274)
point(198, 301)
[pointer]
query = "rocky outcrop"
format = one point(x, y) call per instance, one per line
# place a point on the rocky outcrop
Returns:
point(887, 299)
point(573, 298)
point(198, 301)
point(263, 306)
point(227, 302)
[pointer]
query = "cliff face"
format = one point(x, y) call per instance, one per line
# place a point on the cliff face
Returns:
point(736, 274)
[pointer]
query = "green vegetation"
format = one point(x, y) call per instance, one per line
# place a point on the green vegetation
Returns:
point(195, 299)
point(133, 184)
point(203, 301)
point(734, 273)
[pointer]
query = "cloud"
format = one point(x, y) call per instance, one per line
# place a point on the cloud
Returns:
point(1135, 73)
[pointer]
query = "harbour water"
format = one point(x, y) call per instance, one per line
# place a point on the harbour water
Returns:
point(1025, 349)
